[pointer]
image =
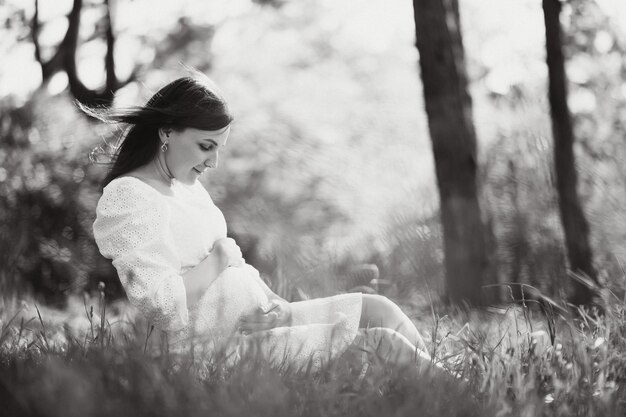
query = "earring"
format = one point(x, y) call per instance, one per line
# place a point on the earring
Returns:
point(164, 147)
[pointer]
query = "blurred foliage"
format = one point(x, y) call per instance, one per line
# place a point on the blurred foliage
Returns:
point(596, 47)
point(329, 163)
point(522, 203)
point(48, 195)
point(518, 169)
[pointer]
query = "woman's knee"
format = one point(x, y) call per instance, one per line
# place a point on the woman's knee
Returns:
point(381, 302)
point(388, 344)
point(373, 339)
point(378, 308)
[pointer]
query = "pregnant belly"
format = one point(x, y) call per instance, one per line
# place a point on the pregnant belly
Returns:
point(235, 293)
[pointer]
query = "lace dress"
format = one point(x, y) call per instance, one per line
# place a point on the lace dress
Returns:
point(153, 239)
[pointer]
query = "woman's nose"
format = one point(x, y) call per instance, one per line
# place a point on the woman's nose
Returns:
point(211, 163)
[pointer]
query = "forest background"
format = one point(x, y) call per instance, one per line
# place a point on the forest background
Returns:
point(329, 169)
point(328, 183)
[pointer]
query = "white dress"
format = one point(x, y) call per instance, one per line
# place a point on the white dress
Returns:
point(153, 239)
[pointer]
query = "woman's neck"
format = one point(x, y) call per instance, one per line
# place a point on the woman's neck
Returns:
point(152, 173)
point(161, 170)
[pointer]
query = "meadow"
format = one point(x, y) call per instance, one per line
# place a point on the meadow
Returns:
point(98, 359)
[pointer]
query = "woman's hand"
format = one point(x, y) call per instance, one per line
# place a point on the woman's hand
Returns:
point(228, 252)
point(276, 313)
point(223, 254)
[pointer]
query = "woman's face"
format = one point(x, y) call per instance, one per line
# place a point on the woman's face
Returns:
point(192, 151)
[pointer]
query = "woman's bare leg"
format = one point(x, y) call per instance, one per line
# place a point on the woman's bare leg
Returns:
point(390, 346)
point(379, 311)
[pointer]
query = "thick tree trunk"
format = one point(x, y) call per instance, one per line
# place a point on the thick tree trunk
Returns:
point(575, 225)
point(449, 111)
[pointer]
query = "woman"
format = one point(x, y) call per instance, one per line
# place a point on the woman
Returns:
point(168, 243)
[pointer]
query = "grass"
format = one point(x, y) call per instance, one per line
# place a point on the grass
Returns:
point(515, 361)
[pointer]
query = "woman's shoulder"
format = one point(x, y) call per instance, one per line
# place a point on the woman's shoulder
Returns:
point(128, 193)
point(129, 203)
point(135, 182)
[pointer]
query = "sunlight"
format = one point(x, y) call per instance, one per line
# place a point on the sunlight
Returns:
point(582, 100)
point(52, 32)
point(375, 26)
point(90, 64)
point(616, 11)
point(404, 202)
point(603, 42)
point(23, 75)
point(58, 83)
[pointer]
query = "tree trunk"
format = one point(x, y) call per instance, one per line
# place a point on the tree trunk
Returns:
point(575, 226)
point(449, 111)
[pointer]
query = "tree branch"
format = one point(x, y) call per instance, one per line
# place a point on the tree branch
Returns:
point(34, 29)
point(64, 58)
point(109, 59)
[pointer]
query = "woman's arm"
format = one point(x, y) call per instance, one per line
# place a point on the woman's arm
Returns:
point(271, 295)
point(198, 279)
point(276, 313)
point(225, 253)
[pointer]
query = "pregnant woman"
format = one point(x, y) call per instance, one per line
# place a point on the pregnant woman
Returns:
point(169, 245)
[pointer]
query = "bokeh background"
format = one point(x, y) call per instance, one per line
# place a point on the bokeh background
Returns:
point(329, 168)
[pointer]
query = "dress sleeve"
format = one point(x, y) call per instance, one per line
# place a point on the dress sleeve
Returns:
point(132, 229)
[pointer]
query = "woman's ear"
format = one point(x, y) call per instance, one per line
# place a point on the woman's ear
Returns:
point(164, 134)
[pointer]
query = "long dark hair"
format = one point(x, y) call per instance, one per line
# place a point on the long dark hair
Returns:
point(187, 102)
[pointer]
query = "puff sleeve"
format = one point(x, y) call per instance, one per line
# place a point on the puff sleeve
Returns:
point(132, 229)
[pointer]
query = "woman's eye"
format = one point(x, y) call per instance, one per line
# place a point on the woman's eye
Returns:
point(207, 148)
